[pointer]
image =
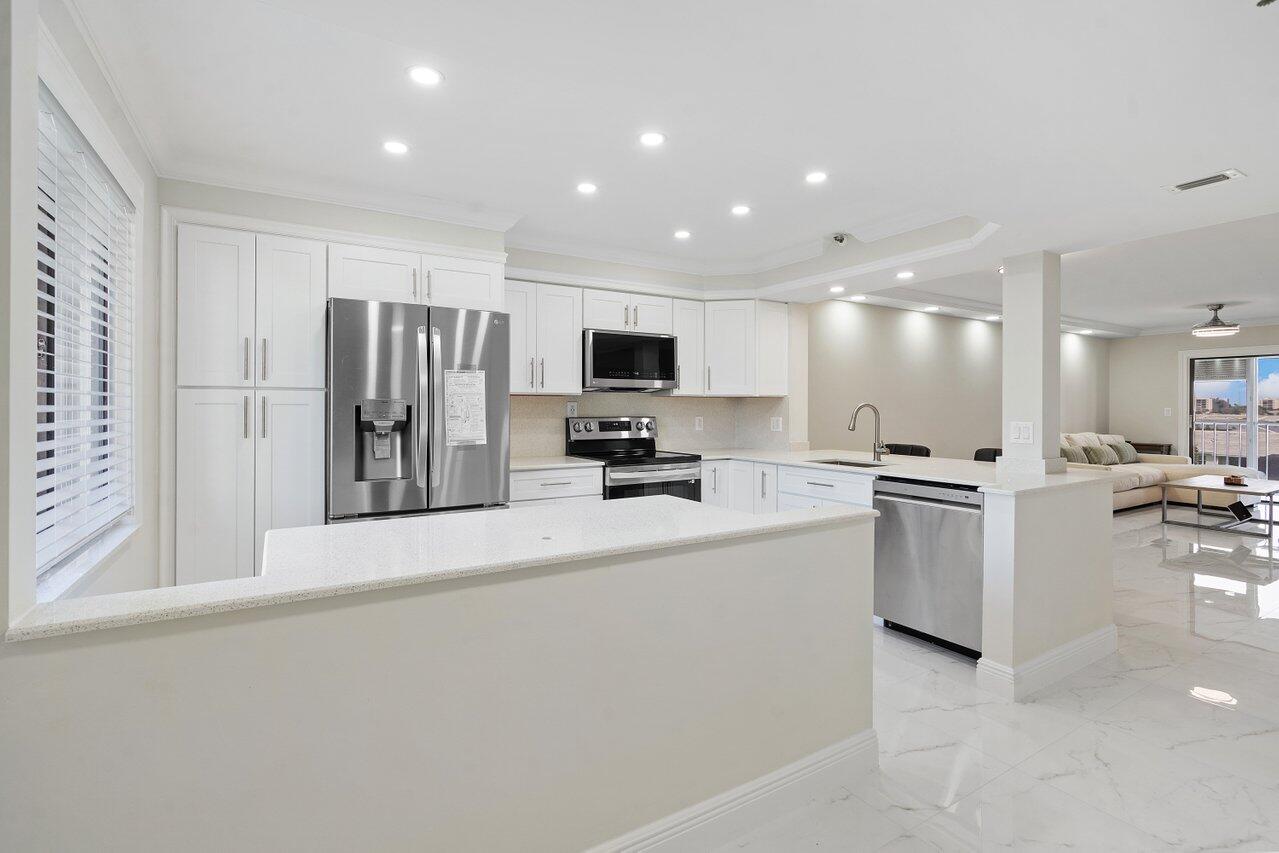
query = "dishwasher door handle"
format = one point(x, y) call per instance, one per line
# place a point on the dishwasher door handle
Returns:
point(975, 510)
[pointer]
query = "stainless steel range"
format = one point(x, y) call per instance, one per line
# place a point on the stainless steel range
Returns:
point(633, 466)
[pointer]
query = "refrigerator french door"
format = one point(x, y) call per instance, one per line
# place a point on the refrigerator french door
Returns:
point(418, 409)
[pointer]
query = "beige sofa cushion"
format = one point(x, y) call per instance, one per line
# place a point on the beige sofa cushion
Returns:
point(1110, 439)
point(1083, 439)
point(1147, 475)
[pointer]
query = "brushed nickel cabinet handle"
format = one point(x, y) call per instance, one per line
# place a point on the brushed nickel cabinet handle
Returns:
point(532, 373)
point(414, 275)
point(763, 478)
point(543, 384)
point(264, 416)
point(248, 353)
point(264, 359)
point(246, 415)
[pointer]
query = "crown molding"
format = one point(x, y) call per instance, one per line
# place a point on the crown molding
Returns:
point(668, 263)
point(910, 298)
point(400, 204)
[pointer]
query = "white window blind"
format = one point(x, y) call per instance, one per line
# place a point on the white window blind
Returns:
point(84, 342)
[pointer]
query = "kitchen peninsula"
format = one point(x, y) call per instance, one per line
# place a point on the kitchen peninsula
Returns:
point(551, 663)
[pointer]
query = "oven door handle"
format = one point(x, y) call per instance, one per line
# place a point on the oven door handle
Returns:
point(653, 476)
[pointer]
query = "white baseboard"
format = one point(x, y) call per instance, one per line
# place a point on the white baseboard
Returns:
point(722, 818)
point(1017, 683)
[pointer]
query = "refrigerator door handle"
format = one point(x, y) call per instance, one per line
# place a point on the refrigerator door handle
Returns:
point(437, 413)
point(423, 421)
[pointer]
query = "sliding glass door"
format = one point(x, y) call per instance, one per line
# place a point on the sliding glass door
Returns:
point(1234, 412)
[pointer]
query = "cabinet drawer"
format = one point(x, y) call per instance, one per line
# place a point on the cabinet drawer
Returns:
point(579, 499)
point(556, 483)
point(816, 483)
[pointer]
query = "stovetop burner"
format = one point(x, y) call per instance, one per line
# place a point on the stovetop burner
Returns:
point(630, 440)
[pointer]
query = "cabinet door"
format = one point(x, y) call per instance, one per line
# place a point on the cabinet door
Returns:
point(463, 283)
point(215, 306)
point(730, 348)
point(715, 483)
point(652, 314)
point(764, 490)
point(559, 339)
point(741, 486)
point(521, 304)
point(772, 348)
point(380, 275)
point(606, 309)
point(690, 332)
point(289, 459)
point(291, 293)
point(785, 502)
point(214, 519)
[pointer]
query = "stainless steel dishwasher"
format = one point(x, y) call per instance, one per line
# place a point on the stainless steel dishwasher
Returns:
point(928, 560)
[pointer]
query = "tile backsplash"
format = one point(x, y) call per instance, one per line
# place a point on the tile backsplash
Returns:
point(537, 423)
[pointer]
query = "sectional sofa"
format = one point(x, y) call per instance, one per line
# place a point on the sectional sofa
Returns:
point(1139, 483)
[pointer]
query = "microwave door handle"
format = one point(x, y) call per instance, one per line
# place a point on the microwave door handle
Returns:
point(423, 421)
point(437, 413)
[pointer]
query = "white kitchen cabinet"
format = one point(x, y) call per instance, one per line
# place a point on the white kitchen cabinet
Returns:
point(618, 311)
point(214, 520)
point(379, 275)
point(557, 483)
point(741, 485)
point(690, 346)
point(521, 298)
point(747, 343)
point(290, 305)
point(788, 502)
point(715, 483)
point(215, 292)
point(580, 499)
point(546, 338)
point(462, 283)
point(826, 486)
point(764, 488)
point(289, 462)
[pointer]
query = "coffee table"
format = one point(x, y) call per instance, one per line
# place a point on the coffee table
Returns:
point(1265, 489)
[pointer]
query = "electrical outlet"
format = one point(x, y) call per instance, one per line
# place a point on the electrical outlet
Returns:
point(775, 424)
point(572, 408)
point(697, 424)
point(1167, 412)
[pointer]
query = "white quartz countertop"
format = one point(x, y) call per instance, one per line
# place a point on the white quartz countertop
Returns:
point(318, 562)
point(540, 463)
point(923, 468)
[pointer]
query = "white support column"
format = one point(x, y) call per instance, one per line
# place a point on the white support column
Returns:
point(1032, 365)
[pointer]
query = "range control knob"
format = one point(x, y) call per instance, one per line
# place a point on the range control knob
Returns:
point(590, 427)
point(577, 427)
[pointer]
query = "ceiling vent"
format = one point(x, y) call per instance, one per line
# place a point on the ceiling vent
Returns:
point(1228, 175)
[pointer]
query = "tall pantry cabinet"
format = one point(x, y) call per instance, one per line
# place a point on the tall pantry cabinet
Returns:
point(250, 398)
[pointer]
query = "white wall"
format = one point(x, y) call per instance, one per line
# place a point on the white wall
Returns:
point(935, 379)
point(1144, 378)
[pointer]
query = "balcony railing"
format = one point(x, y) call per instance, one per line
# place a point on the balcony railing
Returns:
point(1226, 443)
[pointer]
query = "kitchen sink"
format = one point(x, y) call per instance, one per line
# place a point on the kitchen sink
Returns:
point(849, 463)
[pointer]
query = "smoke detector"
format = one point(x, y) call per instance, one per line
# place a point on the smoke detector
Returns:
point(1227, 175)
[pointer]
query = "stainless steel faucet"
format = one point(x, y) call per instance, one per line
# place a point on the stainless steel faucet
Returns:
point(880, 449)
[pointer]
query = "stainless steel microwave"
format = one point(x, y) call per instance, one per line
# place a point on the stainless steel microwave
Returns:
point(628, 361)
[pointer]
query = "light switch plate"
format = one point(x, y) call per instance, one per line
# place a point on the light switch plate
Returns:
point(572, 408)
point(775, 424)
point(697, 424)
point(1167, 412)
point(1021, 432)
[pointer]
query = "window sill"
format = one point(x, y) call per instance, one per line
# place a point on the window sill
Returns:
point(77, 570)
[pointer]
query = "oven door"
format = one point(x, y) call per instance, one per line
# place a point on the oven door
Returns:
point(628, 361)
point(678, 481)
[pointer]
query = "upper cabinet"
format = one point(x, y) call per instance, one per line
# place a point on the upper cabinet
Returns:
point(546, 338)
point(463, 283)
point(291, 297)
point(747, 345)
point(215, 339)
point(626, 312)
point(379, 275)
point(690, 346)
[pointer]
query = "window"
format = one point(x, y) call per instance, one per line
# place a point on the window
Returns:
point(1234, 412)
point(84, 342)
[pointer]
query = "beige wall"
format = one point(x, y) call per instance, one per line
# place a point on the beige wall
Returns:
point(935, 379)
point(1144, 378)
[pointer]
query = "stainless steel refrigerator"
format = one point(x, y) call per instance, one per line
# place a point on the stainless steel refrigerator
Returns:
point(418, 409)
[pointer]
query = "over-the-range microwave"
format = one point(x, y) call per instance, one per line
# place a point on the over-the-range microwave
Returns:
point(628, 361)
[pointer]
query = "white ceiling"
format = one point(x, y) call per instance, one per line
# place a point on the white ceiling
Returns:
point(1059, 122)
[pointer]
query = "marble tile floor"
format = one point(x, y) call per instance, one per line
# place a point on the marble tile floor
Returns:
point(1172, 743)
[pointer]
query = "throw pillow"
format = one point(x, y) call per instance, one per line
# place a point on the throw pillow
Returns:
point(1126, 452)
point(1074, 454)
point(1102, 454)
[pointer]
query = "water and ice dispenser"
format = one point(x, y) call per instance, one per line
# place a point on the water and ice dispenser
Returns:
point(385, 445)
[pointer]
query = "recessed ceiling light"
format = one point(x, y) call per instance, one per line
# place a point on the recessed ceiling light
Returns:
point(682, 235)
point(815, 177)
point(1085, 331)
point(905, 274)
point(652, 138)
point(993, 317)
point(931, 308)
point(740, 210)
point(837, 289)
point(587, 188)
point(424, 76)
point(857, 298)
point(394, 146)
